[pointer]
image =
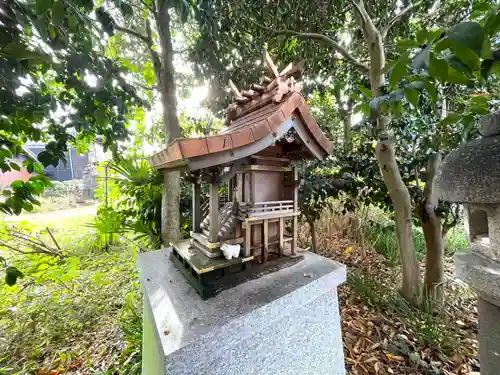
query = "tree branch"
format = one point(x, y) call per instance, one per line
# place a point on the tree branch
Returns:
point(319, 37)
point(150, 8)
point(396, 18)
point(137, 34)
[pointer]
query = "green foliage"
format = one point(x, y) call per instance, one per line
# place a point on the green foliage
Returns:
point(65, 312)
point(49, 57)
point(132, 202)
point(467, 53)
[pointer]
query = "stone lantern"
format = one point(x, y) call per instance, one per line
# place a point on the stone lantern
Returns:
point(471, 175)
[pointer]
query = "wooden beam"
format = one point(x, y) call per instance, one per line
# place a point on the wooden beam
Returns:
point(269, 158)
point(265, 241)
point(214, 212)
point(234, 89)
point(266, 168)
point(197, 219)
point(270, 65)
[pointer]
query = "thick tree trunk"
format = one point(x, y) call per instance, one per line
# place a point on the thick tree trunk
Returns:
point(403, 218)
point(170, 228)
point(431, 226)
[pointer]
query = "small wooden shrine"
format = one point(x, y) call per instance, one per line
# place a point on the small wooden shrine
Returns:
point(269, 127)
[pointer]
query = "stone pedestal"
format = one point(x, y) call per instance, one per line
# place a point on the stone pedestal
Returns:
point(483, 274)
point(284, 322)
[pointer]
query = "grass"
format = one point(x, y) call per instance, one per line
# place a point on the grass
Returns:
point(75, 315)
point(383, 240)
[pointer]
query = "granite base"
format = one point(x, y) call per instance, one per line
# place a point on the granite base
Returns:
point(285, 322)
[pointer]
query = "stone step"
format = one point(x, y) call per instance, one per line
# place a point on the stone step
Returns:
point(211, 253)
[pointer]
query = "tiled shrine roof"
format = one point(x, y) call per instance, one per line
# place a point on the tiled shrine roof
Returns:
point(255, 114)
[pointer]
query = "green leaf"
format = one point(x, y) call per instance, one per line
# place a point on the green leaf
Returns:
point(468, 34)
point(5, 154)
point(492, 22)
point(45, 158)
point(457, 64)
point(100, 115)
point(466, 55)
point(397, 108)
point(412, 96)
point(363, 108)
point(486, 66)
point(366, 91)
point(454, 76)
point(12, 274)
point(43, 5)
point(438, 68)
point(33, 167)
point(148, 73)
point(58, 13)
point(398, 72)
point(406, 44)
point(451, 119)
point(486, 52)
point(73, 23)
point(431, 90)
point(421, 36)
point(126, 9)
point(17, 50)
point(15, 166)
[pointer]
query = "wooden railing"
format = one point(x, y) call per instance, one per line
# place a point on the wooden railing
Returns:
point(265, 208)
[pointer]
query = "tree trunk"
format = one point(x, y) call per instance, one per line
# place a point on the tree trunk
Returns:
point(346, 121)
point(314, 240)
point(431, 226)
point(398, 191)
point(403, 218)
point(170, 228)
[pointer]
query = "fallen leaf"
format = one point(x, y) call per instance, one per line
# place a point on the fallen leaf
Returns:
point(395, 357)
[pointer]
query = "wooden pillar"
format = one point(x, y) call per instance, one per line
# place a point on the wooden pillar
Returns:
point(265, 242)
point(295, 223)
point(248, 239)
point(230, 190)
point(197, 219)
point(214, 212)
point(281, 236)
point(239, 187)
point(251, 185)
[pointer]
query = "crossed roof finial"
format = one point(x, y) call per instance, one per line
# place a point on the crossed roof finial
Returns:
point(267, 91)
